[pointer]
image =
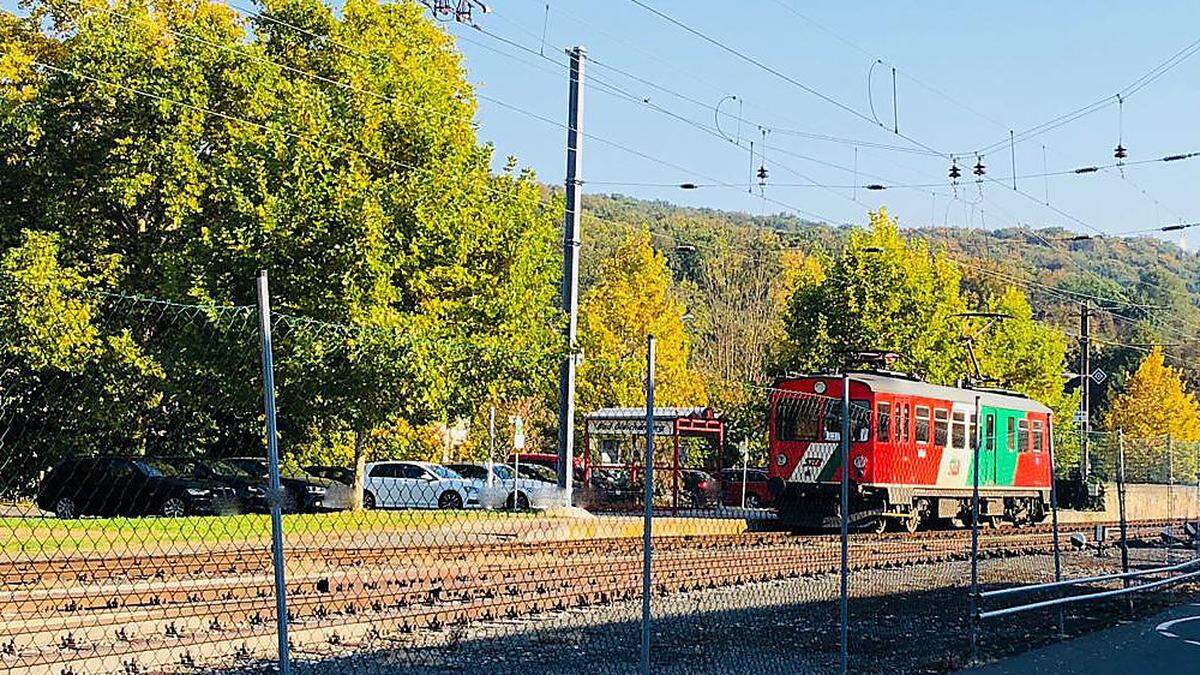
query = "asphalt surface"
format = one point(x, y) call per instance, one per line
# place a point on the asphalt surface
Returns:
point(1166, 644)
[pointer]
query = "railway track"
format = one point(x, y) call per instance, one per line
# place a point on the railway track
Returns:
point(70, 616)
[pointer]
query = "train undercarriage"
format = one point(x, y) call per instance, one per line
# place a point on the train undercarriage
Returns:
point(879, 508)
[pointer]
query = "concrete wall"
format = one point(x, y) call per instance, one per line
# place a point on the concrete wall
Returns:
point(1142, 502)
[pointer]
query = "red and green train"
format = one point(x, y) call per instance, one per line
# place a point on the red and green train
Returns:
point(911, 453)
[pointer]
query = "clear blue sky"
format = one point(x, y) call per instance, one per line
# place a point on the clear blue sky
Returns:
point(1018, 63)
point(1005, 65)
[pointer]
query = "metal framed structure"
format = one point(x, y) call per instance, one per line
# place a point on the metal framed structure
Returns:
point(629, 424)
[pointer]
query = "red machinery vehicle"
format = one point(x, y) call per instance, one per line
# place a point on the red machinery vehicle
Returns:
point(911, 454)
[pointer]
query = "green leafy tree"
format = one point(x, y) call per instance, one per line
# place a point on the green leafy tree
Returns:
point(69, 385)
point(193, 147)
point(882, 292)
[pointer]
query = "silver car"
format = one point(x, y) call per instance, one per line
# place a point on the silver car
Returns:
point(505, 489)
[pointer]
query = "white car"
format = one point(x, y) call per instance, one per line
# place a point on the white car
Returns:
point(421, 485)
point(501, 492)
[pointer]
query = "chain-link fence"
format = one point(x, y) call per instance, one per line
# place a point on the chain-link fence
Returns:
point(139, 533)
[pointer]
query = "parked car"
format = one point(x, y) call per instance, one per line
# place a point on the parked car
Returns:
point(417, 485)
point(507, 488)
point(305, 494)
point(697, 488)
point(548, 460)
point(121, 486)
point(339, 474)
point(757, 494)
point(249, 488)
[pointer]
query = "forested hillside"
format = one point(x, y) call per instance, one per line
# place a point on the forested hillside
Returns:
point(728, 268)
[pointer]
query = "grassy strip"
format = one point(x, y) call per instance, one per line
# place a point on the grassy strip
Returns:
point(37, 537)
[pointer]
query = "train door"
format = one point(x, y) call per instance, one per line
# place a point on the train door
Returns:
point(987, 453)
point(1006, 448)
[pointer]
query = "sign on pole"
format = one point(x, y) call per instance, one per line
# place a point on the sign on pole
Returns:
point(518, 433)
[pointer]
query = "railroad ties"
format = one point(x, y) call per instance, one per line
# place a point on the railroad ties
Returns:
point(217, 608)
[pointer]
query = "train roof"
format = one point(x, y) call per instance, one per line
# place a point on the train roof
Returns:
point(894, 383)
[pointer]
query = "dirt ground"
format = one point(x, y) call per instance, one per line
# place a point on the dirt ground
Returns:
point(906, 620)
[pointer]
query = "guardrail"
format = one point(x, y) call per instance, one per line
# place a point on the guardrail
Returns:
point(1089, 596)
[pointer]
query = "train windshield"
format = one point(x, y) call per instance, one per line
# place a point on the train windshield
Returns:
point(798, 418)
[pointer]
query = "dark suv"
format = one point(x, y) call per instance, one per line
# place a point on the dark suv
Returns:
point(119, 486)
point(300, 493)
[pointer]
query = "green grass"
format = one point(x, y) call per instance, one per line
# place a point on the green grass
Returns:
point(39, 537)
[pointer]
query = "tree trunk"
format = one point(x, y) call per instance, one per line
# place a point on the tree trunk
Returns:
point(360, 466)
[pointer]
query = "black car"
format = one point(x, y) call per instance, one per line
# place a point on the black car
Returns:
point(305, 494)
point(249, 489)
point(120, 486)
point(339, 474)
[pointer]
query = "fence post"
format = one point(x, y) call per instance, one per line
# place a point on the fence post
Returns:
point(844, 593)
point(1121, 512)
point(648, 518)
point(268, 366)
point(1170, 491)
point(979, 432)
point(1054, 528)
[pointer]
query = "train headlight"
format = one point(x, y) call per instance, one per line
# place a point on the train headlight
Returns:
point(860, 462)
point(781, 459)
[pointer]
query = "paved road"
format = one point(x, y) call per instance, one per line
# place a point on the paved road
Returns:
point(1165, 644)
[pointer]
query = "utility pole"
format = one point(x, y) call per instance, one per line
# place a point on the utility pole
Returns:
point(570, 279)
point(1085, 380)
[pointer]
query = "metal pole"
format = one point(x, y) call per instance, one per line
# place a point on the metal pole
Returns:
point(1062, 626)
point(570, 280)
point(1121, 501)
point(979, 430)
point(491, 479)
point(1085, 379)
point(281, 613)
point(745, 469)
point(648, 518)
point(844, 593)
point(1170, 490)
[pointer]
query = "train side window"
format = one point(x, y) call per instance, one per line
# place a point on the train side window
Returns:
point(974, 430)
point(922, 420)
point(958, 432)
point(907, 422)
point(941, 426)
point(860, 420)
point(796, 419)
point(990, 431)
point(884, 416)
point(1022, 435)
point(1012, 421)
point(1038, 430)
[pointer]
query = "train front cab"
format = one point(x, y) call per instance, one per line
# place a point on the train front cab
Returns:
point(804, 438)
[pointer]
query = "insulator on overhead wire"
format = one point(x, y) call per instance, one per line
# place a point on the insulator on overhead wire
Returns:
point(955, 173)
point(1120, 152)
point(980, 168)
point(762, 174)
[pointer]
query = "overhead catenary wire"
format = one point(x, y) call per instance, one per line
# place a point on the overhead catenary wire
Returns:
point(1123, 94)
point(774, 71)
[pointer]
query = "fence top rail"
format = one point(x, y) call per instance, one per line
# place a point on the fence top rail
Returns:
point(1087, 580)
point(1090, 596)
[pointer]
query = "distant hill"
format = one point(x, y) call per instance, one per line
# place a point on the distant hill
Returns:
point(1146, 290)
